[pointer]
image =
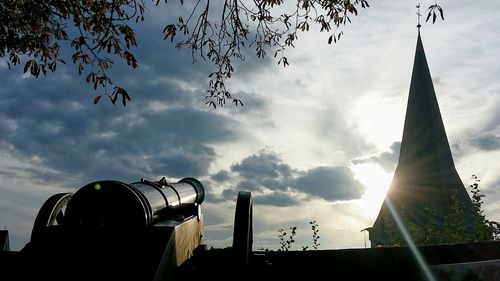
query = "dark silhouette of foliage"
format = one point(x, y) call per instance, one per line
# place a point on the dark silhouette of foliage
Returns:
point(100, 32)
point(287, 240)
point(33, 30)
point(315, 236)
point(453, 229)
point(488, 230)
point(432, 12)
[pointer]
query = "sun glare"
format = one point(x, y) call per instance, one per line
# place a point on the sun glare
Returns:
point(376, 181)
point(379, 118)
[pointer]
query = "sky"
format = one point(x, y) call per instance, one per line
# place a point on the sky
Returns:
point(315, 141)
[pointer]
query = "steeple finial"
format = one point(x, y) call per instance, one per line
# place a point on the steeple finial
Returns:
point(418, 16)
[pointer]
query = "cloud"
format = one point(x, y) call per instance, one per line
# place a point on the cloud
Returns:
point(485, 140)
point(488, 141)
point(54, 133)
point(330, 183)
point(174, 143)
point(264, 165)
point(221, 176)
point(387, 159)
point(276, 183)
point(277, 198)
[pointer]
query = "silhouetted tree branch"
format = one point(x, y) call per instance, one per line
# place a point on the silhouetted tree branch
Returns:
point(99, 32)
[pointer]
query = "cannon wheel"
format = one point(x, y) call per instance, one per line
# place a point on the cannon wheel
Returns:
point(51, 213)
point(243, 228)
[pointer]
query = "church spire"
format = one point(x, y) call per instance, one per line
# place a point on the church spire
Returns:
point(425, 177)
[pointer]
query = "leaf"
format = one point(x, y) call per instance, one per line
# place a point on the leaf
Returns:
point(125, 97)
point(27, 66)
point(441, 12)
point(97, 98)
point(428, 16)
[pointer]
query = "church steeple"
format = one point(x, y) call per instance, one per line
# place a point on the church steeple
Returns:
point(424, 136)
point(425, 178)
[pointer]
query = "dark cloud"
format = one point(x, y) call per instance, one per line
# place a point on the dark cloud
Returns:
point(229, 194)
point(276, 183)
point(174, 143)
point(330, 183)
point(264, 166)
point(278, 199)
point(51, 120)
point(183, 163)
point(387, 160)
point(487, 141)
point(212, 196)
point(248, 185)
point(165, 130)
point(221, 176)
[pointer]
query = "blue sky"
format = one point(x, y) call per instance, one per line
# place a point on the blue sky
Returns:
point(317, 140)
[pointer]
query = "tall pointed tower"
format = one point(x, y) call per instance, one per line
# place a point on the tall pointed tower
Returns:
point(425, 178)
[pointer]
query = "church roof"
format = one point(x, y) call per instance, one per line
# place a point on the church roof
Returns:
point(425, 177)
point(424, 135)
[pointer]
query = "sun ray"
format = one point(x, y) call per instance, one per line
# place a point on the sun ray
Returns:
point(376, 181)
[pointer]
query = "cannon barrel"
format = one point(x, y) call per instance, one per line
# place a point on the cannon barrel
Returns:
point(114, 204)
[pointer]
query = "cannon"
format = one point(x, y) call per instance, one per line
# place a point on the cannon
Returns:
point(115, 205)
point(110, 230)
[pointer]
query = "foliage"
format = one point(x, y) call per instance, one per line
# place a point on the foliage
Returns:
point(288, 239)
point(100, 32)
point(432, 12)
point(488, 230)
point(453, 229)
point(33, 30)
point(273, 29)
point(315, 236)
point(286, 242)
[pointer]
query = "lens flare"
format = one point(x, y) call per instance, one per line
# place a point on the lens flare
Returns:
point(409, 241)
point(97, 186)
